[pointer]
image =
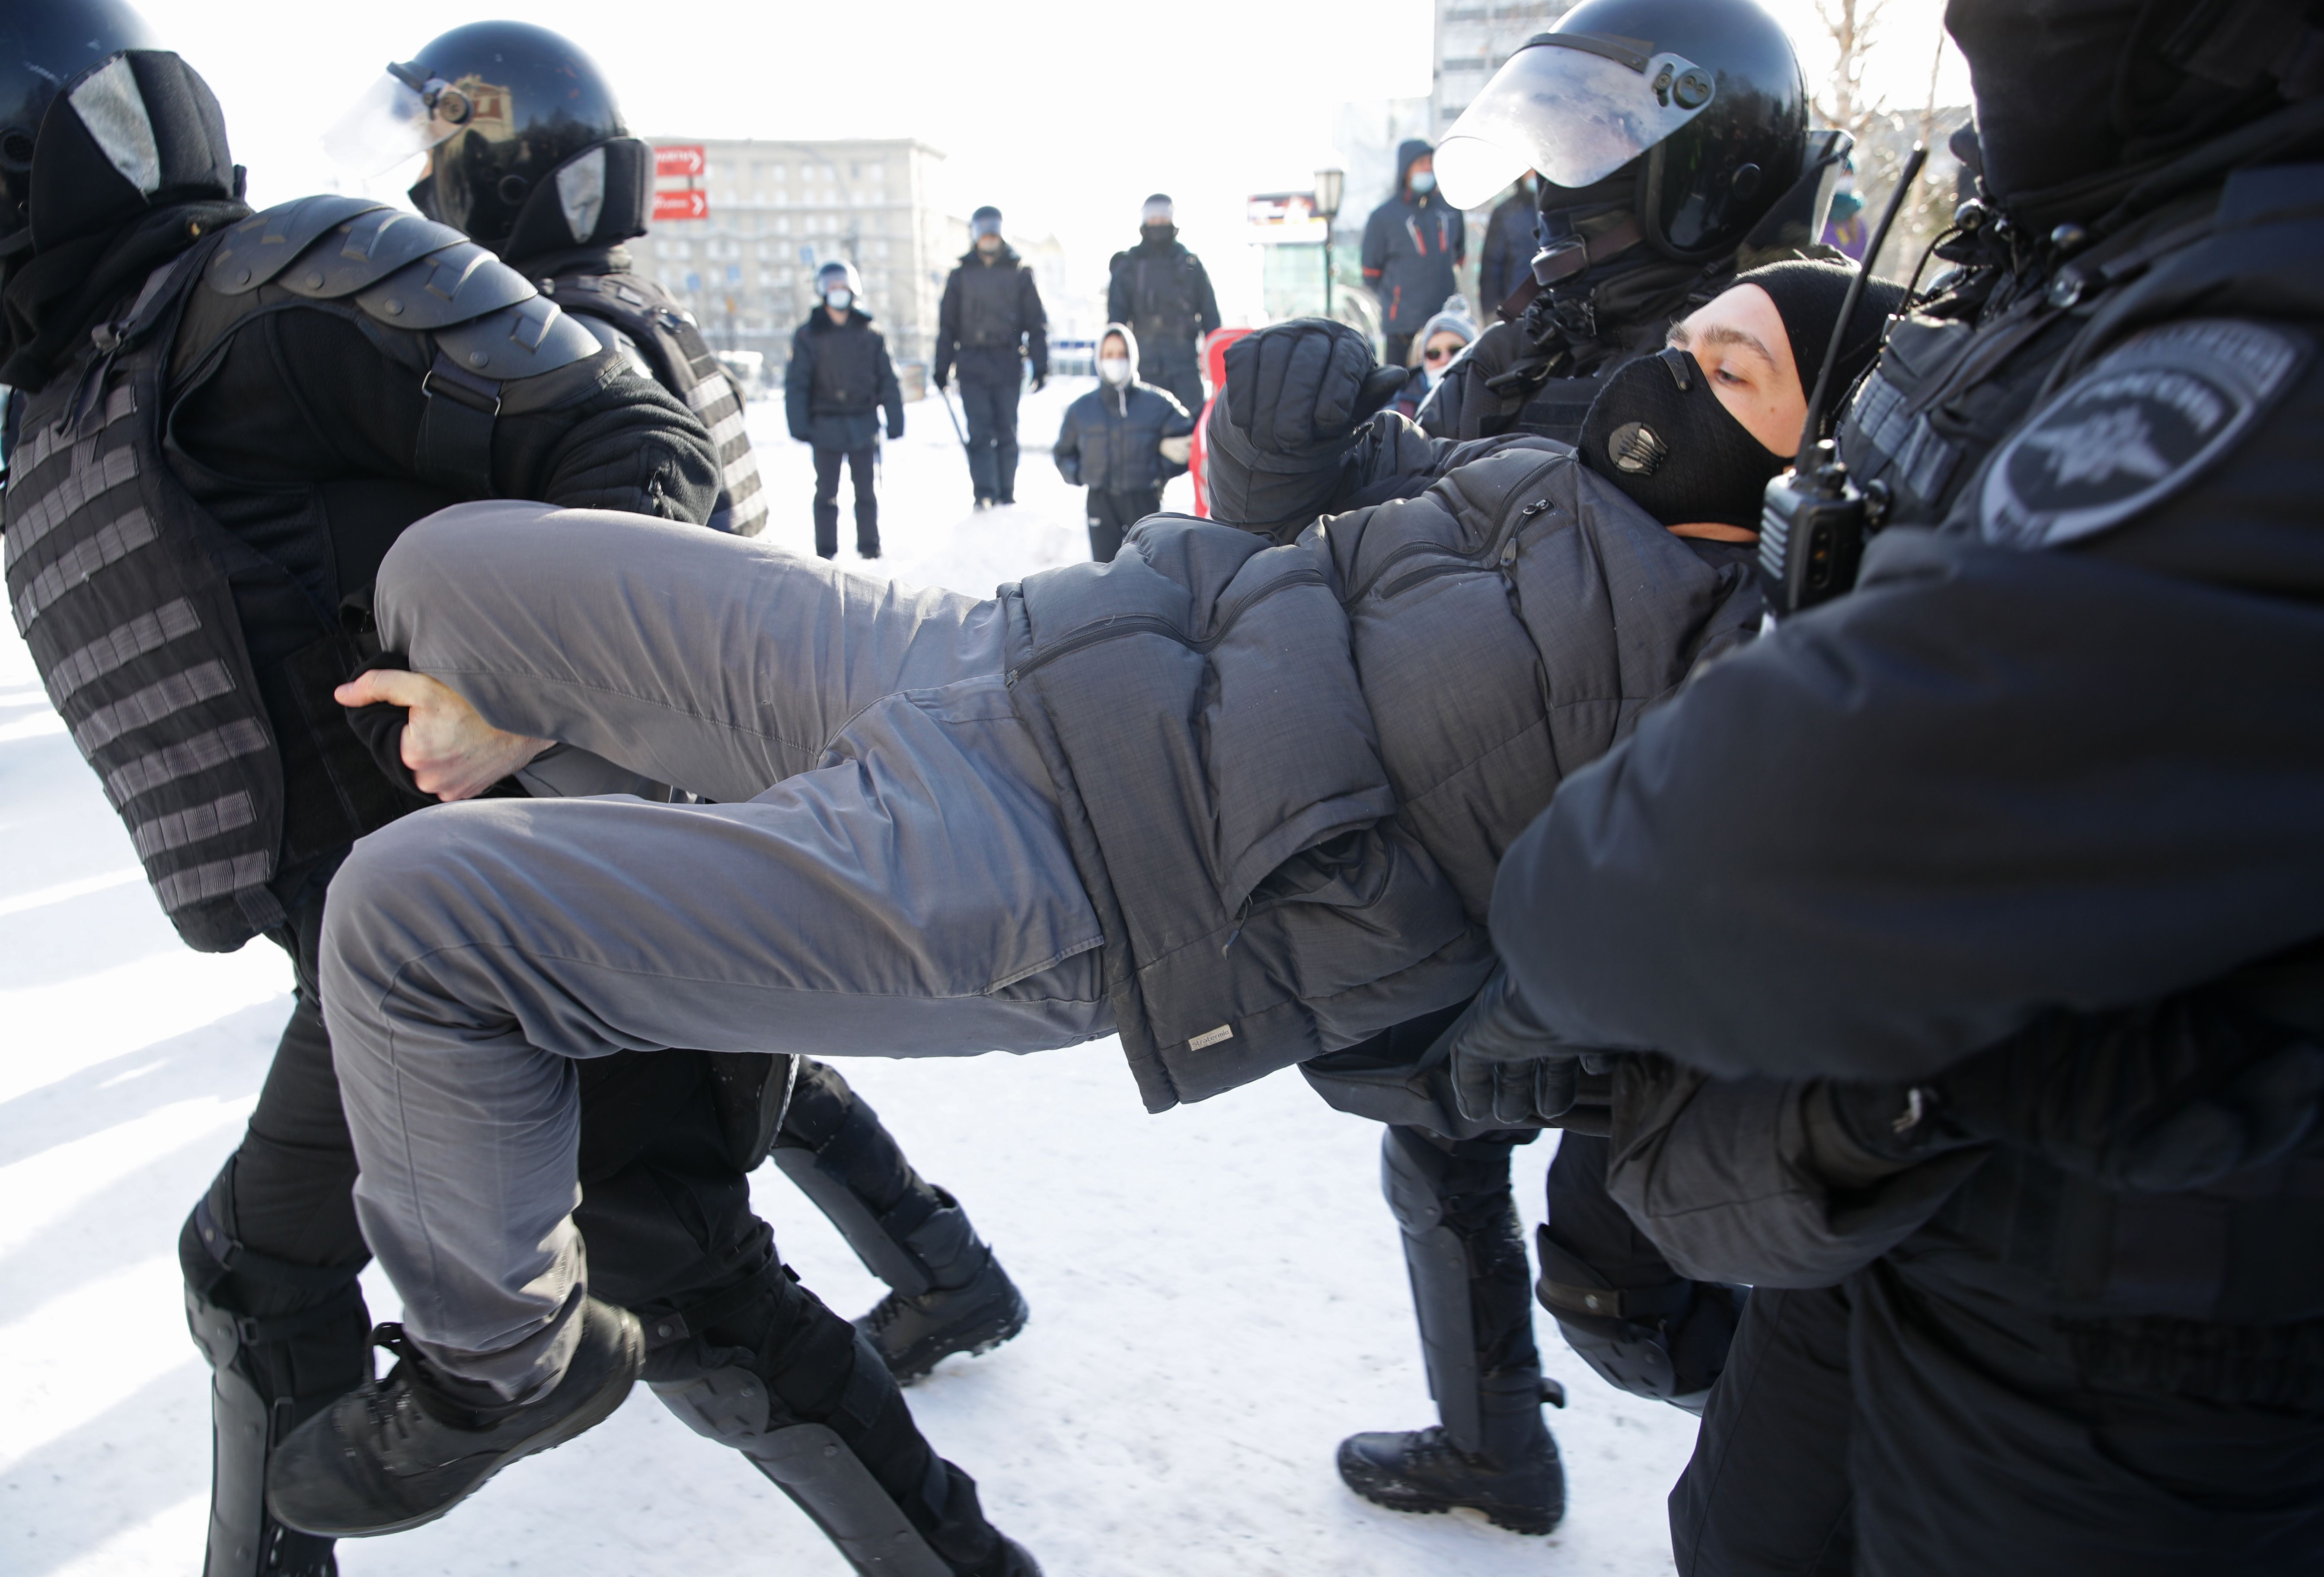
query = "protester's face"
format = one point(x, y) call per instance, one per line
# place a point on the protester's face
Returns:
point(1441, 347)
point(1423, 165)
point(1738, 338)
point(1114, 349)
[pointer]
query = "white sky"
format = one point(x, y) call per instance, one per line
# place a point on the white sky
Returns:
point(1065, 112)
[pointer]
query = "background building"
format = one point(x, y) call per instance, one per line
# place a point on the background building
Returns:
point(777, 210)
point(1473, 40)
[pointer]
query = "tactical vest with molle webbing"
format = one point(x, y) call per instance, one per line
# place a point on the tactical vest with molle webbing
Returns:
point(125, 587)
point(680, 360)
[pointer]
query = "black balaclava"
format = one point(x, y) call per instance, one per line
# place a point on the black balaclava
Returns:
point(1657, 432)
point(1808, 297)
point(2069, 90)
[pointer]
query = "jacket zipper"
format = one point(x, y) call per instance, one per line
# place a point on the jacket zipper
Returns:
point(1501, 550)
point(1142, 623)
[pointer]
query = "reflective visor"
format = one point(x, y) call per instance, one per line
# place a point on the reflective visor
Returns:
point(393, 121)
point(1575, 107)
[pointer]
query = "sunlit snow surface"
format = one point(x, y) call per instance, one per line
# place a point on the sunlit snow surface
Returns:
point(1217, 1294)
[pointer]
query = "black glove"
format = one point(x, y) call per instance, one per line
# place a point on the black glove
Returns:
point(939, 377)
point(1040, 382)
point(380, 726)
point(1304, 387)
point(2158, 1100)
point(1505, 1067)
point(895, 430)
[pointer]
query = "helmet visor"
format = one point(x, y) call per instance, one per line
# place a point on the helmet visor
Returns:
point(1572, 106)
point(400, 116)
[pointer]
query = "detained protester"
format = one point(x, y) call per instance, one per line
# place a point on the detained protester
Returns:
point(991, 325)
point(1996, 1067)
point(1639, 1323)
point(1439, 343)
point(1160, 290)
point(1122, 440)
point(1413, 243)
point(839, 381)
point(1712, 187)
point(947, 1293)
point(182, 599)
point(999, 846)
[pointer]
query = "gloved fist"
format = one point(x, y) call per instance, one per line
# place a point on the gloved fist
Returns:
point(895, 430)
point(939, 378)
point(1505, 1067)
point(1299, 387)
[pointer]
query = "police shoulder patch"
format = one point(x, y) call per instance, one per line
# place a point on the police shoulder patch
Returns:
point(2147, 418)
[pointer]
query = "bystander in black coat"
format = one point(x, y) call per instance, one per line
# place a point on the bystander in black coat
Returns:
point(1112, 442)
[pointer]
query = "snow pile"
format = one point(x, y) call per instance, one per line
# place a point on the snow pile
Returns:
point(1217, 1294)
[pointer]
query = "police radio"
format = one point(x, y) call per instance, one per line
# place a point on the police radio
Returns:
point(1813, 520)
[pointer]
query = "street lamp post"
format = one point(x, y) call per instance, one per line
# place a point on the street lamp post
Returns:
point(1329, 186)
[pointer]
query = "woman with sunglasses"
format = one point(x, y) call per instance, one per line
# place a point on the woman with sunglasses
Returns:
point(1437, 346)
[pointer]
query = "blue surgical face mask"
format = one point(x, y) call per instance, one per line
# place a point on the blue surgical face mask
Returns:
point(1423, 182)
point(838, 300)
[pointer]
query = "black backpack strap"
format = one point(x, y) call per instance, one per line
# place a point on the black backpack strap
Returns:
point(455, 430)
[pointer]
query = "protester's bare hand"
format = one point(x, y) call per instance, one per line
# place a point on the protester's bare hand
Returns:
point(452, 751)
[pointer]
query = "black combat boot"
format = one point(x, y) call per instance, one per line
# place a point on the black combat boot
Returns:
point(1516, 1478)
point(403, 1451)
point(915, 1332)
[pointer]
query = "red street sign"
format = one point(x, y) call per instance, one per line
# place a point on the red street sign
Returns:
point(686, 161)
point(681, 205)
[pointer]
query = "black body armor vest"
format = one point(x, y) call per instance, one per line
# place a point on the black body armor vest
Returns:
point(124, 586)
point(1946, 394)
point(681, 361)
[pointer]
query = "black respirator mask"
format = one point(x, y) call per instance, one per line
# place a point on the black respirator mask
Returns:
point(1658, 432)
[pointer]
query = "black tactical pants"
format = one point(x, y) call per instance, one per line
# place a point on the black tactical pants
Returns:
point(1111, 515)
point(1172, 365)
point(670, 1235)
point(1960, 1430)
point(861, 463)
point(990, 407)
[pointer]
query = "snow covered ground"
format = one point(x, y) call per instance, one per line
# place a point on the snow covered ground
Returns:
point(1217, 1294)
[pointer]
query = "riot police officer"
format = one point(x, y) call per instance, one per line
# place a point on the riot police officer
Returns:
point(583, 188)
point(988, 325)
point(1636, 233)
point(223, 420)
point(2031, 1006)
point(1163, 293)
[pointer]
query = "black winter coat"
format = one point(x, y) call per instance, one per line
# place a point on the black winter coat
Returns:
point(839, 380)
point(1112, 439)
point(1163, 292)
point(990, 321)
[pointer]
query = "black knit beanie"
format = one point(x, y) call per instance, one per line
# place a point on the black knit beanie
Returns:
point(1807, 296)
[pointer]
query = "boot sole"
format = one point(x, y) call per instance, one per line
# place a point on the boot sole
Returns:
point(1412, 1502)
point(600, 1408)
point(974, 1341)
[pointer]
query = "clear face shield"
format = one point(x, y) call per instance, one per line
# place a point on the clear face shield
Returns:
point(1575, 107)
point(403, 114)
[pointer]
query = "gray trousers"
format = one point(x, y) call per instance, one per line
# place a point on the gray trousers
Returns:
point(884, 872)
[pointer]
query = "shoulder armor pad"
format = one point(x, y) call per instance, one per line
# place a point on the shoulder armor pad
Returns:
point(365, 251)
point(453, 285)
point(521, 341)
point(264, 244)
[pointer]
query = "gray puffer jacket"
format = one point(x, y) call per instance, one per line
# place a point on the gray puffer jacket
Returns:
point(1288, 771)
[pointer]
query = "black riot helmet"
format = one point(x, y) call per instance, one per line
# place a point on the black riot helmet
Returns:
point(527, 151)
point(1701, 101)
point(45, 44)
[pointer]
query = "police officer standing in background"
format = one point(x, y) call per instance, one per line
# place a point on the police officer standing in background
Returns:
point(1619, 278)
point(326, 373)
point(990, 324)
point(2033, 1004)
point(838, 382)
point(585, 187)
point(1413, 243)
point(1162, 292)
point(1503, 262)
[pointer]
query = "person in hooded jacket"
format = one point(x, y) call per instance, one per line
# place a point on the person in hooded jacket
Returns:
point(838, 382)
point(1505, 260)
point(226, 420)
point(989, 323)
point(1439, 343)
point(1161, 289)
point(1209, 796)
point(1998, 1071)
point(1122, 440)
point(1412, 244)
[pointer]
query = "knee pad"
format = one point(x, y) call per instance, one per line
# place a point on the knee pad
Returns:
point(909, 1233)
